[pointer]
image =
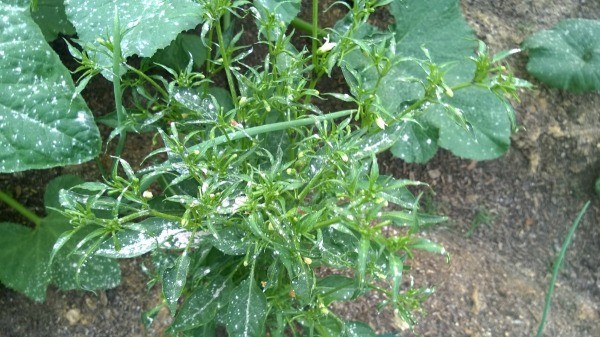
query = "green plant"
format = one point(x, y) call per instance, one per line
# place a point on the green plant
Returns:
point(557, 264)
point(567, 55)
point(257, 186)
point(482, 217)
point(25, 252)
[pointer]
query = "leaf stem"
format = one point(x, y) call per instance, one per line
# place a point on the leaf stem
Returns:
point(149, 80)
point(307, 27)
point(20, 208)
point(269, 128)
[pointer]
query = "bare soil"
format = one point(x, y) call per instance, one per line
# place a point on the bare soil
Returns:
point(509, 218)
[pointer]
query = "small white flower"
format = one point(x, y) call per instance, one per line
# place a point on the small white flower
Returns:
point(147, 195)
point(327, 46)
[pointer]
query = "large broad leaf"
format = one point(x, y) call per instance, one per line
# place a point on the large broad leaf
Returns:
point(51, 17)
point(438, 26)
point(42, 123)
point(25, 255)
point(247, 311)
point(282, 10)
point(417, 144)
point(490, 135)
point(566, 56)
point(149, 25)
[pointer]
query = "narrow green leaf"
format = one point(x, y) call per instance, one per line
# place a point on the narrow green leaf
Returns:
point(359, 329)
point(247, 311)
point(202, 305)
point(336, 288)
point(174, 280)
point(361, 264)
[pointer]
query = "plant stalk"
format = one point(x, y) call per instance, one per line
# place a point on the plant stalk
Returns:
point(315, 34)
point(20, 208)
point(269, 128)
point(307, 27)
point(117, 90)
point(226, 64)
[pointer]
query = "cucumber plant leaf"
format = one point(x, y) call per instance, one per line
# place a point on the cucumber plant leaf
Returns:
point(489, 136)
point(281, 10)
point(39, 97)
point(475, 127)
point(25, 254)
point(439, 27)
point(50, 15)
point(137, 18)
point(567, 56)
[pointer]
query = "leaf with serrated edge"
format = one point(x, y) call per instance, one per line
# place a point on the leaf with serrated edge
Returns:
point(567, 56)
point(149, 25)
point(25, 254)
point(42, 123)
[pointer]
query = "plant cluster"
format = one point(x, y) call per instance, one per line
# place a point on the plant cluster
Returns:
point(255, 187)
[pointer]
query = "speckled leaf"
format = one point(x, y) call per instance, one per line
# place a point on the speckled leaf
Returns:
point(336, 288)
point(42, 123)
point(438, 26)
point(359, 329)
point(150, 25)
point(51, 17)
point(25, 254)
point(417, 144)
point(201, 307)
point(491, 127)
point(139, 238)
point(247, 311)
point(283, 10)
point(174, 280)
point(96, 272)
point(231, 241)
point(566, 56)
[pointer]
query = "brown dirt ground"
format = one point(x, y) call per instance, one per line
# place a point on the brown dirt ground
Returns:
point(518, 207)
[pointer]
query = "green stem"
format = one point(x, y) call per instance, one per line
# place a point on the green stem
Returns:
point(315, 35)
point(557, 263)
point(226, 64)
point(307, 27)
point(149, 80)
point(117, 90)
point(20, 208)
point(269, 128)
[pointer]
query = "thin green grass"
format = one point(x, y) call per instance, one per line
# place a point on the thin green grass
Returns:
point(557, 264)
